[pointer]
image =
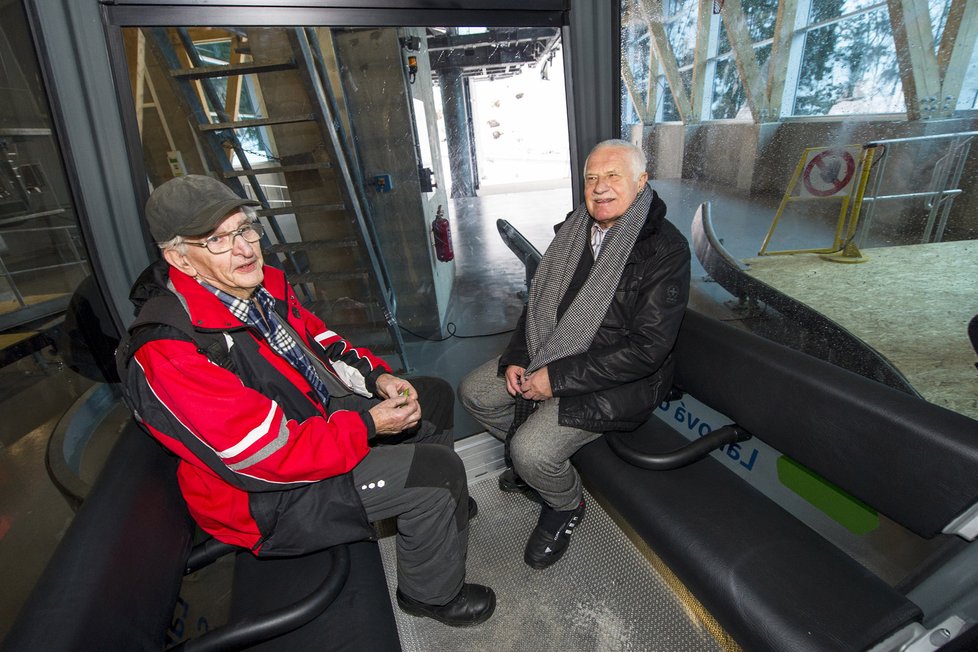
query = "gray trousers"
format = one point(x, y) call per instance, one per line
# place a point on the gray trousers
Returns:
point(421, 482)
point(541, 448)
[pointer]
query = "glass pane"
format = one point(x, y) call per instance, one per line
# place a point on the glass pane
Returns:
point(681, 32)
point(969, 90)
point(669, 111)
point(938, 18)
point(56, 336)
point(850, 67)
point(636, 49)
point(828, 9)
point(760, 16)
point(729, 97)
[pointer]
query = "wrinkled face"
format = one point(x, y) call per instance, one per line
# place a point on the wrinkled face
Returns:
point(611, 184)
point(238, 271)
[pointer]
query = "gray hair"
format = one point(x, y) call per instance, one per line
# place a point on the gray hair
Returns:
point(173, 243)
point(637, 155)
point(177, 241)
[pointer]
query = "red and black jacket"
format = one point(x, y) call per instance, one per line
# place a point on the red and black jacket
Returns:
point(264, 464)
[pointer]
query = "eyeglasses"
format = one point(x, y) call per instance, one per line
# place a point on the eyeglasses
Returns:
point(220, 243)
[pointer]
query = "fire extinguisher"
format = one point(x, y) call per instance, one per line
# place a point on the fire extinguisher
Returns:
point(442, 231)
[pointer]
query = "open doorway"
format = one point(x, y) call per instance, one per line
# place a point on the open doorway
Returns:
point(359, 142)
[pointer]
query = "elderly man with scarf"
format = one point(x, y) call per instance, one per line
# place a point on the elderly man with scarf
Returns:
point(592, 351)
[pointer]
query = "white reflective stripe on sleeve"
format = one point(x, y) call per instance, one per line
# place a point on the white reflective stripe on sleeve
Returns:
point(252, 436)
point(325, 335)
point(266, 450)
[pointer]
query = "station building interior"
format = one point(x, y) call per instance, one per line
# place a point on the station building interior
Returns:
point(817, 154)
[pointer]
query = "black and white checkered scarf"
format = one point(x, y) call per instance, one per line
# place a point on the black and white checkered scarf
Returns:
point(546, 338)
point(270, 326)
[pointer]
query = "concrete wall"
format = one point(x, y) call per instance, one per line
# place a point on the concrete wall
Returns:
point(758, 160)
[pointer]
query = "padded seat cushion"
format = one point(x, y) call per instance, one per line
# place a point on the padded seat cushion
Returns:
point(771, 582)
point(361, 617)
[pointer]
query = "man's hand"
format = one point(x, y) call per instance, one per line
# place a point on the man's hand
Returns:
point(536, 385)
point(390, 386)
point(514, 378)
point(394, 415)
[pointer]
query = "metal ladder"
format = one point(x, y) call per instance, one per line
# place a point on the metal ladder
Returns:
point(220, 136)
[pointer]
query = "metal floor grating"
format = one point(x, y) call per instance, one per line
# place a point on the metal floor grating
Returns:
point(604, 595)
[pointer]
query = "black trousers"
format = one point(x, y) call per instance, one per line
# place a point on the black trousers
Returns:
point(417, 478)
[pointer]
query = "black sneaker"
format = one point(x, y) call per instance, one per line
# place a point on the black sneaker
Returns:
point(473, 508)
point(473, 605)
point(549, 540)
point(514, 484)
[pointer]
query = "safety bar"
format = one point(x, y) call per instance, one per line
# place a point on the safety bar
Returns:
point(691, 452)
point(255, 629)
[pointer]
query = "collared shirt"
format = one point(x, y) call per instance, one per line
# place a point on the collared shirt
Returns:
point(597, 238)
point(270, 327)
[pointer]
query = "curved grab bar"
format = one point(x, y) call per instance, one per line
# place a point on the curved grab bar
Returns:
point(691, 452)
point(255, 629)
point(206, 553)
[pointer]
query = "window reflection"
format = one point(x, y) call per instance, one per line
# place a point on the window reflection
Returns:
point(55, 331)
point(850, 67)
point(828, 78)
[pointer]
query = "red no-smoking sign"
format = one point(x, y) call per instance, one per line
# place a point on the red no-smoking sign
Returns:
point(829, 172)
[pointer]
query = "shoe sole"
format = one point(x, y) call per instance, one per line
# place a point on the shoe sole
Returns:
point(421, 613)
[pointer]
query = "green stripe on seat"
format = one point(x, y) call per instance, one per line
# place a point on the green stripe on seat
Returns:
point(850, 512)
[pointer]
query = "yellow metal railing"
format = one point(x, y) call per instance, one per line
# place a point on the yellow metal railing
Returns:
point(829, 174)
point(853, 174)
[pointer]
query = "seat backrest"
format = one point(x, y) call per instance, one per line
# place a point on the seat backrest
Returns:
point(913, 461)
point(114, 579)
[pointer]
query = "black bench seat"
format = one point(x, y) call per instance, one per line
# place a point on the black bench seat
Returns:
point(113, 582)
point(771, 581)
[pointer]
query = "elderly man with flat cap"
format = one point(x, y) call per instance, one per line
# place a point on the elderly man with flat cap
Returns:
point(290, 438)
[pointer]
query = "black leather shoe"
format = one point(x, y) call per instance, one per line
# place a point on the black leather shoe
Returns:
point(549, 540)
point(512, 483)
point(473, 508)
point(473, 605)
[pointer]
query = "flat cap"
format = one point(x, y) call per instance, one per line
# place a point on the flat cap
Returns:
point(190, 205)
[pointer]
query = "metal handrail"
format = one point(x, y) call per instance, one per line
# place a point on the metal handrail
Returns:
point(853, 222)
point(306, 44)
point(946, 175)
point(891, 141)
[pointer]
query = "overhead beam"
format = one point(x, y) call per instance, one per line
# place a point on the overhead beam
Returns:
point(652, 92)
point(645, 105)
point(652, 12)
point(482, 57)
point(743, 51)
point(914, 41)
point(493, 37)
point(701, 51)
point(957, 47)
point(634, 92)
point(777, 66)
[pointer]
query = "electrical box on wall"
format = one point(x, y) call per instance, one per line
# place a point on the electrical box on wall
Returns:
point(175, 160)
point(383, 183)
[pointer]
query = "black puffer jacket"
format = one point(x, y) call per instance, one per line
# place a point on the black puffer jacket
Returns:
point(627, 371)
